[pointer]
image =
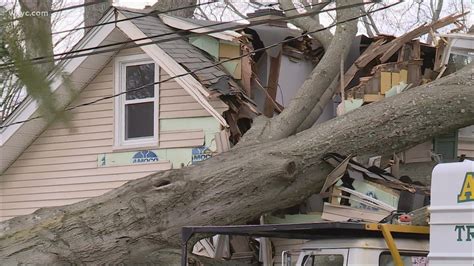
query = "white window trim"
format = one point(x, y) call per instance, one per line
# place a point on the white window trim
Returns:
point(119, 102)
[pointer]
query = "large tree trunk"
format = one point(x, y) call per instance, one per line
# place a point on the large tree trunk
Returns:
point(37, 30)
point(92, 13)
point(164, 5)
point(140, 222)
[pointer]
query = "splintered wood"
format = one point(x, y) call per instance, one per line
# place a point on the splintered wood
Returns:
point(396, 61)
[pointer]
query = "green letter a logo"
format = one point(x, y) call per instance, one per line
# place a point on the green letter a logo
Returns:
point(467, 191)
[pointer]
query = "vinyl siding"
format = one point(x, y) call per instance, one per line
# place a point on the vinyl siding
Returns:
point(175, 102)
point(60, 166)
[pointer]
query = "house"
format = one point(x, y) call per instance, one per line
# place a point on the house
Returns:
point(174, 123)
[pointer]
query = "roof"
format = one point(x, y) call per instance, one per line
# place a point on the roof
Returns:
point(211, 24)
point(191, 58)
point(215, 29)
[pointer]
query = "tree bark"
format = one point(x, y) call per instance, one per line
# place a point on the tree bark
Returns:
point(308, 23)
point(92, 13)
point(164, 5)
point(140, 221)
point(37, 30)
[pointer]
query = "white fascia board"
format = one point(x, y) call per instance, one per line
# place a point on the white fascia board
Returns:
point(29, 105)
point(165, 61)
point(457, 36)
point(175, 22)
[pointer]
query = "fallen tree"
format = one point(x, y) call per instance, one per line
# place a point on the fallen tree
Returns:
point(140, 222)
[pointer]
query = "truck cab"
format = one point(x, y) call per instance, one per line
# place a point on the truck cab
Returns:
point(356, 251)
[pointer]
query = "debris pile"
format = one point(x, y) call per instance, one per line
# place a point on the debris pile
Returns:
point(369, 194)
point(389, 65)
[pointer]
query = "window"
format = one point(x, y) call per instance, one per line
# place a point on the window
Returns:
point(323, 260)
point(409, 259)
point(136, 110)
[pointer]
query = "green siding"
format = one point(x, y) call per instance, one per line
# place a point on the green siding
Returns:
point(206, 43)
point(209, 124)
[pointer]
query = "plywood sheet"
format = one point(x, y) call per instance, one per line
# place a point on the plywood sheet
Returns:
point(368, 98)
point(385, 81)
point(395, 79)
point(228, 50)
point(404, 75)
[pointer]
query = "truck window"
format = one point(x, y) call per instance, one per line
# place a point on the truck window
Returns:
point(323, 260)
point(409, 259)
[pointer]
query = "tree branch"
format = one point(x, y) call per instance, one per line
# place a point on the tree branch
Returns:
point(307, 23)
point(234, 9)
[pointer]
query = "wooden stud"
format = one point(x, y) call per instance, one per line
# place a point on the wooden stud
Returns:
point(273, 76)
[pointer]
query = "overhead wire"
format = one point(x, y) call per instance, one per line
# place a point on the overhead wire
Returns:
point(44, 59)
point(177, 32)
point(154, 12)
point(206, 67)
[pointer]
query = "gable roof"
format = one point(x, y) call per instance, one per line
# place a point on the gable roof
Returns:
point(176, 57)
point(214, 78)
point(203, 26)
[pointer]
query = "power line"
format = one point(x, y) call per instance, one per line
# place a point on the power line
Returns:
point(155, 12)
point(212, 65)
point(79, 6)
point(170, 33)
point(187, 33)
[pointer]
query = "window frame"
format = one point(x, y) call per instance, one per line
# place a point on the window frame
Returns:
point(120, 102)
point(403, 254)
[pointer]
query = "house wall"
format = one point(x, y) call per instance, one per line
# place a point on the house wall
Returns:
point(293, 73)
point(62, 165)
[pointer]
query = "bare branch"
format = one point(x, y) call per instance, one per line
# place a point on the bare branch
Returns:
point(307, 23)
point(234, 9)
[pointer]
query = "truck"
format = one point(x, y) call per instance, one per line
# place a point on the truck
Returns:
point(448, 240)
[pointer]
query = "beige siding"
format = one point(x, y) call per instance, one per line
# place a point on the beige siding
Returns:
point(175, 102)
point(60, 166)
